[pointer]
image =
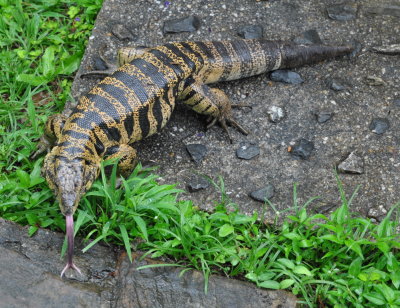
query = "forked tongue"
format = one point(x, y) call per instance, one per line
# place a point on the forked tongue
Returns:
point(69, 226)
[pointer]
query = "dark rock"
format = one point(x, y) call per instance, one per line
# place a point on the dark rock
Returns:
point(336, 84)
point(286, 76)
point(135, 288)
point(263, 194)
point(250, 32)
point(352, 164)
point(302, 149)
point(197, 182)
point(393, 49)
point(374, 81)
point(247, 150)
point(308, 38)
point(323, 116)
point(186, 24)
point(99, 64)
point(396, 102)
point(324, 208)
point(196, 151)
point(384, 9)
point(122, 33)
point(275, 114)
point(342, 12)
point(379, 125)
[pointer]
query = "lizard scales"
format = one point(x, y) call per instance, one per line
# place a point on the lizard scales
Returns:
point(137, 100)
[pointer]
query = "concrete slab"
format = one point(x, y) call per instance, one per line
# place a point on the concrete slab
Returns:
point(347, 131)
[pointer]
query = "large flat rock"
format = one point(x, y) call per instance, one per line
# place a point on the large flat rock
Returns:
point(30, 277)
point(353, 108)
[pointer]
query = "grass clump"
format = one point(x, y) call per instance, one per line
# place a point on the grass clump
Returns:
point(41, 46)
point(337, 260)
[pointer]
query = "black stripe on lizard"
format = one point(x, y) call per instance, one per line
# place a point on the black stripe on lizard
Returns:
point(137, 100)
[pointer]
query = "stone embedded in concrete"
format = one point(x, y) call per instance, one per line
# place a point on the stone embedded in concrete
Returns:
point(197, 182)
point(308, 37)
point(352, 164)
point(391, 9)
point(247, 150)
point(263, 194)
point(302, 148)
point(393, 49)
point(379, 125)
point(275, 114)
point(197, 151)
point(186, 24)
point(323, 116)
point(342, 12)
point(250, 32)
point(286, 76)
point(336, 84)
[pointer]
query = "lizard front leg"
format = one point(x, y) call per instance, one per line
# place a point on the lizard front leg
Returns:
point(52, 132)
point(124, 55)
point(209, 101)
point(127, 158)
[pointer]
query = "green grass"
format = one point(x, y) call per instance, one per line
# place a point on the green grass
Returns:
point(338, 260)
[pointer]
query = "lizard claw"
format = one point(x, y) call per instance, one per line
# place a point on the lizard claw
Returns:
point(44, 145)
point(111, 68)
point(223, 121)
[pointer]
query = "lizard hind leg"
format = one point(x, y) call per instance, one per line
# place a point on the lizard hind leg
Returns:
point(127, 158)
point(212, 102)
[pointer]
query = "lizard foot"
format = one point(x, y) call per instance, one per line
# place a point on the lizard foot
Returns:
point(44, 145)
point(223, 122)
point(111, 68)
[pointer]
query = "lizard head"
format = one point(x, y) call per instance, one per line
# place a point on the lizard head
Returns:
point(69, 178)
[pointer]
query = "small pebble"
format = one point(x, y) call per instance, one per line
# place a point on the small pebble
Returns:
point(377, 213)
point(374, 81)
point(250, 32)
point(308, 38)
point(396, 102)
point(186, 24)
point(286, 76)
point(247, 150)
point(323, 116)
point(99, 64)
point(352, 164)
point(393, 49)
point(275, 114)
point(336, 84)
point(302, 149)
point(196, 151)
point(379, 125)
point(197, 182)
point(263, 194)
point(384, 9)
point(324, 208)
point(122, 33)
point(342, 12)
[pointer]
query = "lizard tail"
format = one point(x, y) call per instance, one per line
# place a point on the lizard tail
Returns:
point(293, 55)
